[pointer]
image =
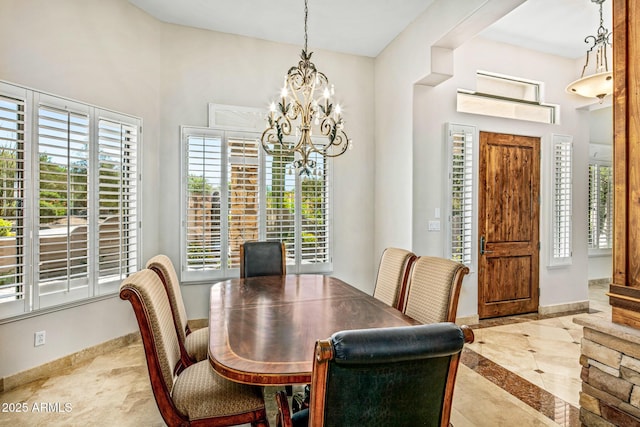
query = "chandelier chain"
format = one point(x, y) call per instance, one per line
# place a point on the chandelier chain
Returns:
point(601, 19)
point(306, 14)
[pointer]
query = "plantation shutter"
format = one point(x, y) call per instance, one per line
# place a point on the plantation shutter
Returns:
point(243, 184)
point(63, 152)
point(233, 192)
point(593, 206)
point(203, 194)
point(605, 240)
point(461, 187)
point(600, 206)
point(69, 229)
point(280, 205)
point(12, 184)
point(562, 194)
point(314, 214)
point(117, 200)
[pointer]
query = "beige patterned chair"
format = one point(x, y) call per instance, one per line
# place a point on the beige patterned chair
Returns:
point(393, 273)
point(197, 396)
point(433, 289)
point(194, 345)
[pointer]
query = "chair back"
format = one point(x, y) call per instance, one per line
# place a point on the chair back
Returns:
point(146, 293)
point(393, 274)
point(264, 258)
point(402, 376)
point(433, 289)
point(163, 267)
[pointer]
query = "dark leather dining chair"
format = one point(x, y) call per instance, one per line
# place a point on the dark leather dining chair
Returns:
point(197, 395)
point(402, 376)
point(263, 258)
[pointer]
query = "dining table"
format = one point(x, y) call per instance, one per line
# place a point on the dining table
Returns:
point(263, 330)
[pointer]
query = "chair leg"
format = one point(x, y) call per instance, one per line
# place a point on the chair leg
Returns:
point(283, 418)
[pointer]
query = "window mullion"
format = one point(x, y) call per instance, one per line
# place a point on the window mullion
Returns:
point(297, 214)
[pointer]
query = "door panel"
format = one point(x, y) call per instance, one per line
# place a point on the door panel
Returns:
point(509, 189)
point(509, 269)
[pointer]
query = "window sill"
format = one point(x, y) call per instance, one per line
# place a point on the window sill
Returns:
point(56, 308)
point(600, 253)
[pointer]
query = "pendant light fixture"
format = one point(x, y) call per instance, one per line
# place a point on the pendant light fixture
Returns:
point(599, 83)
point(305, 119)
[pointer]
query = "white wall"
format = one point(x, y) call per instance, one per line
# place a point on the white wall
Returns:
point(201, 66)
point(111, 54)
point(436, 106)
point(406, 60)
point(102, 53)
point(409, 136)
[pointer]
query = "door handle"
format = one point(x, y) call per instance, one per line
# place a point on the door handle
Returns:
point(482, 247)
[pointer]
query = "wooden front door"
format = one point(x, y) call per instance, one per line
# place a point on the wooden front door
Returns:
point(508, 213)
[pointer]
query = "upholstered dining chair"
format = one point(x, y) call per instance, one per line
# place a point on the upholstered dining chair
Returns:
point(433, 289)
point(393, 273)
point(402, 376)
point(263, 258)
point(196, 396)
point(194, 345)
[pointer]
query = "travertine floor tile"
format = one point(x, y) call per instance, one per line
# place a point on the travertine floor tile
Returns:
point(540, 357)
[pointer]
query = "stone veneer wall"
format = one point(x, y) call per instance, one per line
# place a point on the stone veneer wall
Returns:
point(610, 362)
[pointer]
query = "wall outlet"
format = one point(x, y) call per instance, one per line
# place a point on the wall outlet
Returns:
point(39, 338)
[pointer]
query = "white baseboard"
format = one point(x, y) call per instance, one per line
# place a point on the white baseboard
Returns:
point(468, 320)
point(563, 308)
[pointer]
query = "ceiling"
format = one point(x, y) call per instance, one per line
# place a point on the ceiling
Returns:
point(365, 27)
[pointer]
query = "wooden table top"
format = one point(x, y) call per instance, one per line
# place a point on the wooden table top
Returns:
point(263, 329)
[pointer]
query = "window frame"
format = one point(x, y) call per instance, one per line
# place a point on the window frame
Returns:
point(470, 194)
point(295, 264)
point(35, 299)
point(561, 235)
point(597, 250)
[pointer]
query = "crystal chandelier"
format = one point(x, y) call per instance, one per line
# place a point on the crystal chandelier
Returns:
point(305, 119)
point(600, 83)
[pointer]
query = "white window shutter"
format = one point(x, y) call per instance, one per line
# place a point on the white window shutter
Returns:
point(460, 166)
point(562, 176)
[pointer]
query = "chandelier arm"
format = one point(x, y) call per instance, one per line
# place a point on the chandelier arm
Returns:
point(586, 64)
point(336, 136)
point(268, 138)
point(343, 146)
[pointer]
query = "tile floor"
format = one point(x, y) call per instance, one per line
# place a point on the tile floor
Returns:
point(521, 370)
